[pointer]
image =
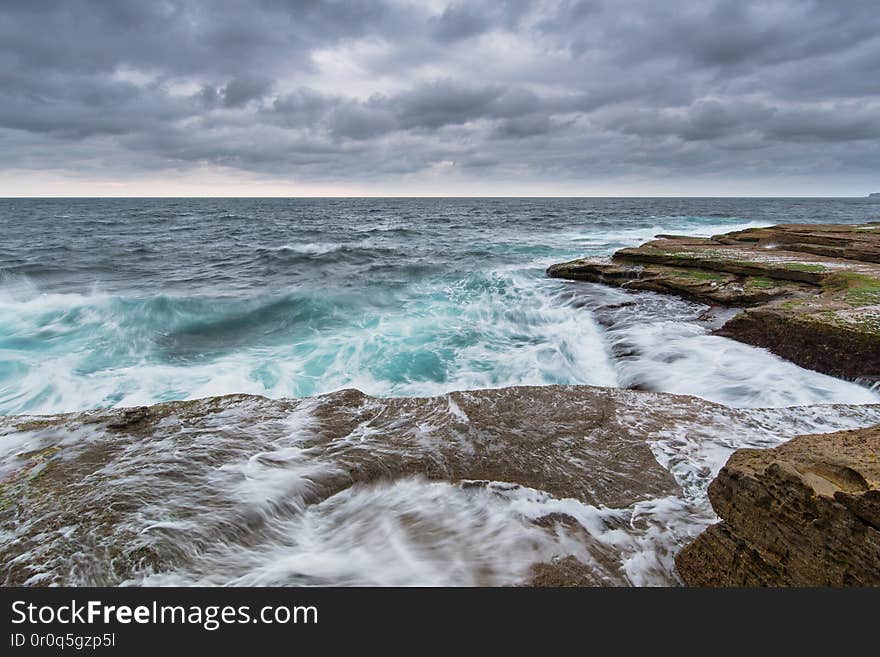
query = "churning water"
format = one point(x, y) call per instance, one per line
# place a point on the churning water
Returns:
point(134, 301)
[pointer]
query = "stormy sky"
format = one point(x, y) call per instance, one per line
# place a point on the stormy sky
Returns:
point(391, 97)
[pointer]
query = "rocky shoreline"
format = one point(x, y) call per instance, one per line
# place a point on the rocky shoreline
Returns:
point(541, 486)
point(808, 293)
point(108, 497)
point(806, 513)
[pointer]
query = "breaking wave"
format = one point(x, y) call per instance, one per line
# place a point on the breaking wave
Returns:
point(394, 304)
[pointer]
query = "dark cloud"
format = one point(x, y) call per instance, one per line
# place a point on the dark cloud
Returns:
point(240, 91)
point(341, 90)
point(520, 127)
point(443, 103)
point(459, 21)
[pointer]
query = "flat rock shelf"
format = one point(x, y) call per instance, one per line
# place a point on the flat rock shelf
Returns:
point(810, 293)
point(550, 485)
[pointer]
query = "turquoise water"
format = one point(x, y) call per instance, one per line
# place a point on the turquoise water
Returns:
point(135, 301)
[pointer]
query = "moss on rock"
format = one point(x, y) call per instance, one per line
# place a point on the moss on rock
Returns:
point(814, 288)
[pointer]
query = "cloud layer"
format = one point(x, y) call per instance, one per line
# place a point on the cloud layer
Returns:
point(396, 96)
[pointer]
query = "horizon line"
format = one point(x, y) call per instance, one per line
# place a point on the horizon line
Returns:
point(419, 196)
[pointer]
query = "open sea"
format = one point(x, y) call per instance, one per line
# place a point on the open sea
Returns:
point(122, 302)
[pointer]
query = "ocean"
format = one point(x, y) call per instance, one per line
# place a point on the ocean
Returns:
point(118, 303)
point(124, 302)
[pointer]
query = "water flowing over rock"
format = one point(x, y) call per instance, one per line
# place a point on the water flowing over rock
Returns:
point(541, 485)
point(806, 513)
point(811, 291)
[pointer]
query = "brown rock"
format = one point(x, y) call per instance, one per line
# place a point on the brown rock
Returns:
point(80, 504)
point(834, 240)
point(700, 285)
point(806, 513)
point(566, 572)
point(822, 335)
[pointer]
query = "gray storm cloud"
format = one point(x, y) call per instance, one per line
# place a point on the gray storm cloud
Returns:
point(378, 92)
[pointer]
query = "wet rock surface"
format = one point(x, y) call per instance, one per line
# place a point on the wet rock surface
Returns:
point(473, 488)
point(811, 293)
point(109, 490)
point(806, 513)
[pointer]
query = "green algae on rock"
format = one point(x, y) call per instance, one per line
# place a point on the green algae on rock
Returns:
point(811, 292)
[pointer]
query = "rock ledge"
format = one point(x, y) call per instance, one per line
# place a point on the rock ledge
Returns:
point(806, 513)
point(811, 293)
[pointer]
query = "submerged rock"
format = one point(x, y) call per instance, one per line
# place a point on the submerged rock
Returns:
point(806, 513)
point(601, 485)
point(811, 292)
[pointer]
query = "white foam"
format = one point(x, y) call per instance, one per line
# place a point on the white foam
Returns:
point(309, 248)
point(682, 358)
point(504, 329)
point(409, 532)
point(416, 532)
point(224, 509)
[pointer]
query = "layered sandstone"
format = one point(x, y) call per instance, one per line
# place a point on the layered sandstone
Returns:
point(806, 513)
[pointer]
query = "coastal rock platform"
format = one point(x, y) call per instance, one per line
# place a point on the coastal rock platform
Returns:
point(810, 292)
point(544, 486)
point(806, 513)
